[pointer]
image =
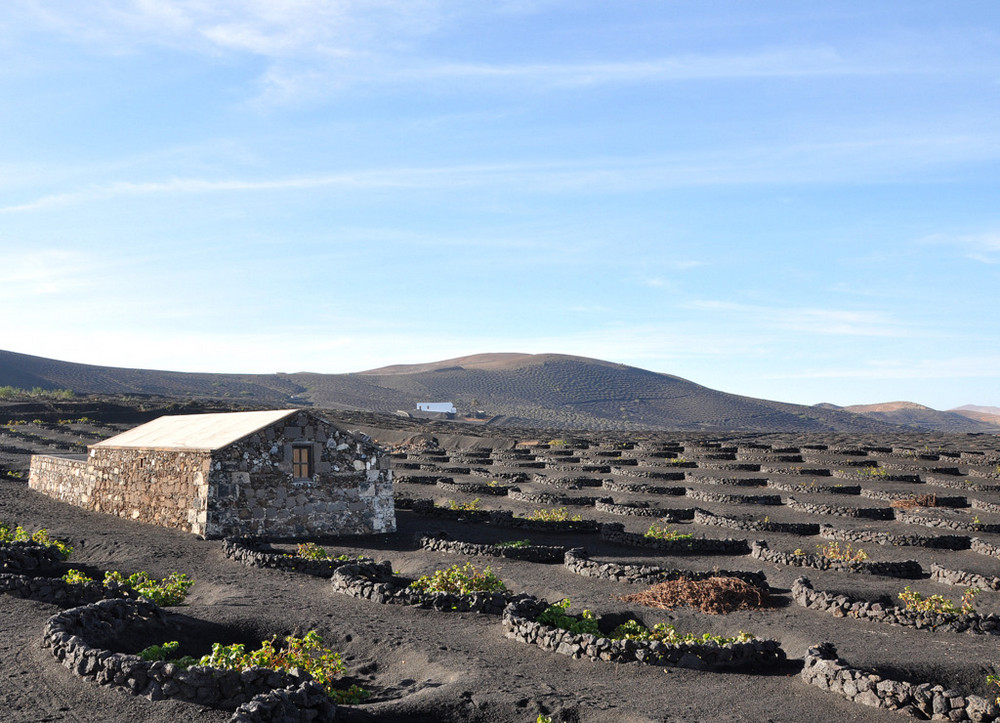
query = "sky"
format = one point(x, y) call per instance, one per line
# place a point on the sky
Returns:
point(797, 201)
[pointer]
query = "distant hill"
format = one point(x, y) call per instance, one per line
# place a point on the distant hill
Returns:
point(910, 414)
point(989, 415)
point(531, 390)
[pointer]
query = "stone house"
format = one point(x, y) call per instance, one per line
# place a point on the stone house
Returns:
point(284, 473)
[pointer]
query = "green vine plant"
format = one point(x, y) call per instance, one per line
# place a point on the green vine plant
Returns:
point(514, 543)
point(554, 514)
point(19, 534)
point(939, 604)
point(306, 653)
point(460, 580)
point(464, 506)
point(558, 616)
point(659, 531)
point(312, 551)
point(171, 590)
point(847, 553)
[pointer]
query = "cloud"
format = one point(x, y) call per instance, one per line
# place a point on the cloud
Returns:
point(45, 272)
point(830, 162)
point(963, 367)
point(983, 247)
point(823, 322)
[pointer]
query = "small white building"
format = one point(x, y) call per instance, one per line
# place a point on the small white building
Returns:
point(439, 407)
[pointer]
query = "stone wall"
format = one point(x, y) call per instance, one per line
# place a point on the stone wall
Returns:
point(441, 542)
point(577, 561)
point(823, 669)
point(253, 492)
point(909, 569)
point(519, 623)
point(846, 606)
point(871, 513)
point(615, 532)
point(377, 582)
point(63, 478)
point(169, 488)
point(939, 542)
point(253, 553)
point(704, 517)
point(963, 578)
point(77, 637)
point(28, 555)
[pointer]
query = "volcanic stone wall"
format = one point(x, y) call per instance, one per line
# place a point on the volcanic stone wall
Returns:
point(63, 478)
point(163, 487)
point(252, 490)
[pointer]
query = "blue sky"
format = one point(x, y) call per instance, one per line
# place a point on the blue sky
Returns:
point(788, 200)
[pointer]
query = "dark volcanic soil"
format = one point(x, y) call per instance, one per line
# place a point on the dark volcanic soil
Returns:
point(424, 665)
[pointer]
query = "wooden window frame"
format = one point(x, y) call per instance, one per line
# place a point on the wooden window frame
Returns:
point(302, 461)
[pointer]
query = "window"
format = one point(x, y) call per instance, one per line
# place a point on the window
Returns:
point(302, 462)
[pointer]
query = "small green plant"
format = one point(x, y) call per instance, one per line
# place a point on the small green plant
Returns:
point(167, 653)
point(847, 553)
point(659, 531)
point(464, 506)
point(798, 552)
point(874, 472)
point(306, 653)
point(514, 543)
point(543, 718)
point(76, 577)
point(558, 616)
point(460, 580)
point(553, 514)
point(19, 534)
point(312, 551)
point(171, 590)
point(666, 633)
point(913, 600)
point(677, 460)
point(994, 680)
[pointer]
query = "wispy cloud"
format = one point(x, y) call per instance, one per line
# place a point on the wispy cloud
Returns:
point(823, 322)
point(874, 160)
point(963, 367)
point(45, 272)
point(983, 247)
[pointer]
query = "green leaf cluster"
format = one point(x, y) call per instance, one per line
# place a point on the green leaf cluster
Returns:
point(460, 580)
point(558, 616)
point(171, 590)
point(659, 531)
point(19, 534)
point(555, 514)
point(938, 603)
point(306, 653)
point(312, 551)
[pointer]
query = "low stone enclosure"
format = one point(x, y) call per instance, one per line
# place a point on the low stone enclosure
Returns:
point(377, 582)
point(905, 569)
point(255, 553)
point(285, 473)
point(79, 639)
point(519, 623)
point(845, 606)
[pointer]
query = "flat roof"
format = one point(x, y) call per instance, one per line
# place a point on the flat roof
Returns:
point(195, 431)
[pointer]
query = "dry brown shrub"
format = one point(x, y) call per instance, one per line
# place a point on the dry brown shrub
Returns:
point(929, 500)
point(715, 596)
